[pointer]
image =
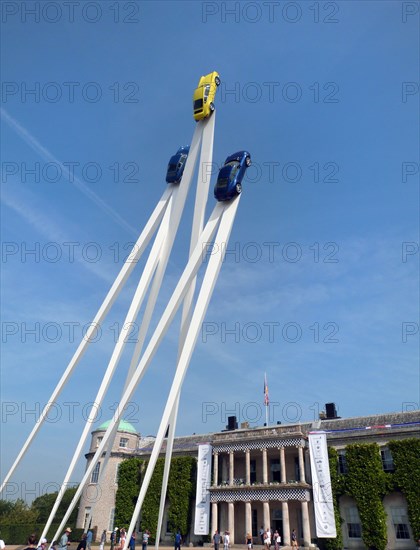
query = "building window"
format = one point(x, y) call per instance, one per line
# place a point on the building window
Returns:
point(342, 463)
point(254, 523)
point(95, 474)
point(124, 442)
point(297, 469)
point(86, 522)
point(111, 520)
point(253, 470)
point(98, 440)
point(353, 523)
point(400, 521)
point(387, 462)
point(275, 469)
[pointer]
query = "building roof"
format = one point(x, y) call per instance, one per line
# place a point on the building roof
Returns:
point(123, 426)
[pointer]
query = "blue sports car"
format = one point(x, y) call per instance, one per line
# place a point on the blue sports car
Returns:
point(177, 164)
point(228, 183)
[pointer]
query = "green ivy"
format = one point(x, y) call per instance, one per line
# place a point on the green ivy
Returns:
point(366, 482)
point(181, 486)
point(150, 508)
point(129, 478)
point(336, 491)
point(406, 457)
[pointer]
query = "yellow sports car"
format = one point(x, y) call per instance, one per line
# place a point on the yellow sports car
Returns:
point(204, 95)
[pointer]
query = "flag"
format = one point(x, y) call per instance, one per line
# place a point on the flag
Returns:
point(266, 398)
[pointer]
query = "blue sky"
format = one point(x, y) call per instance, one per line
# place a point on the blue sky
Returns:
point(320, 288)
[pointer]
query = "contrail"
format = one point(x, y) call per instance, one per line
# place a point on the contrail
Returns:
point(45, 154)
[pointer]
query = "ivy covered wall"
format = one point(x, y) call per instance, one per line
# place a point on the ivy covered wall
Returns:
point(368, 484)
point(181, 489)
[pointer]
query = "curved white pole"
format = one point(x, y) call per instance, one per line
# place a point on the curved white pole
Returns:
point(203, 183)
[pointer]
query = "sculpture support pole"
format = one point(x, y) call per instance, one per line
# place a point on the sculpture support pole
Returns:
point(203, 182)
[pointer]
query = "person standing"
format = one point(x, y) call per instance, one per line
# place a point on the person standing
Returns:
point(248, 540)
point(31, 542)
point(132, 544)
point(89, 538)
point(145, 539)
point(262, 535)
point(294, 539)
point(82, 543)
point(277, 540)
point(267, 538)
point(178, 540)
point(103, 540)
point(64, 541)
point(226, 540)
point(113, 537)
point(217, 539)
point(123, 538)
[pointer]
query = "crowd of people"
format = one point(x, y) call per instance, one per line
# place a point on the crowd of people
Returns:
point(268, 538)
point(117, 539)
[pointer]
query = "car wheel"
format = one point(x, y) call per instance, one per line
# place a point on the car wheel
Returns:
point(248, 161)
point(238, 188)
point(217, 81)
point(212, 106)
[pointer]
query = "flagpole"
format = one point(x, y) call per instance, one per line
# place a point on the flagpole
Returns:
point(266, 398)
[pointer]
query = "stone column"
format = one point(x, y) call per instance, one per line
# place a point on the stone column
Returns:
point(305, 524)
point(214, 524)
point(286, 523)
point(231, 471)
point(282, 465)
point(248, 518)
point(248, 467)
point(266, 515)
point(301, 465)
point(264, 465)
point(231, 521)
point(215, 468)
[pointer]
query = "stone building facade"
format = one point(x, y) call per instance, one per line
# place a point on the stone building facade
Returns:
point(261, 477)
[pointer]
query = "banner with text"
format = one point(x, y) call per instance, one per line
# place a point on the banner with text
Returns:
point(202, 498)
point(321, 483)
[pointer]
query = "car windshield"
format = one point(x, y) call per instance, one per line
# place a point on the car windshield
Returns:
point(222, 182)
point(206, 92)
point(234, 170)
point(198, 104)
point(182, 159)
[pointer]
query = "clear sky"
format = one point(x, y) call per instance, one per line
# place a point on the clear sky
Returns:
point(320, 288)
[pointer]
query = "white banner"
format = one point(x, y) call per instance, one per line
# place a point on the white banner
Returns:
point(321, 483)
point(202, 498)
